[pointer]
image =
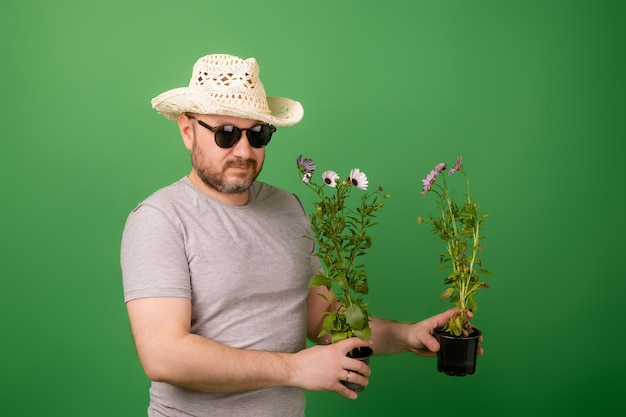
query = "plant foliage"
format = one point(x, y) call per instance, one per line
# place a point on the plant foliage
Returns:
point(460, 227)
point(340, 230)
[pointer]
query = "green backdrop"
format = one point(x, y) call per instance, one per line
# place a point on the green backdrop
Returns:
point(530, 92)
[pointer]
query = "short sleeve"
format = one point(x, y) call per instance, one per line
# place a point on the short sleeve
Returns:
point(153, 257)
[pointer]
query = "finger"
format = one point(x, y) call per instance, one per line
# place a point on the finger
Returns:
point(353, 342)
point(429, 341)
point(357, 378)
point(352, 378)
point(357, 366)
point(424, 353)
point(442, 318)
point(340, 388)
point(346, 392)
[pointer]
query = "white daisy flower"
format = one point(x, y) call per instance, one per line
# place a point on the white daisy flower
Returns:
point(358, 179)
point(306, 177)
point(330, 178)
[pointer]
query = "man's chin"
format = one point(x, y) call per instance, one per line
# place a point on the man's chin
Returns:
point(236, 186)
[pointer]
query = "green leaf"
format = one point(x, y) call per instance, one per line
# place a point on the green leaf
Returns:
point(446, 294)
point(339, 336)
point(341, 280)
point(355, 317)
point(360, 286)
point(455, 326)
point(365, 334)
point(319, 279)
point(329, 322)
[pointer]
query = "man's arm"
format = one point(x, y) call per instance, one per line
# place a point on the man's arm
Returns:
point(318, 302)
point(394, 337)
point(170, 353)
point(388, 336)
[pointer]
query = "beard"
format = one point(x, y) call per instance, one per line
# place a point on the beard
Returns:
point(217, 179)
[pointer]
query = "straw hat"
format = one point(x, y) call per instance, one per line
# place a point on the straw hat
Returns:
point(226, 84)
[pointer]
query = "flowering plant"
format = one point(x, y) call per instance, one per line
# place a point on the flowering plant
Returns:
point(340, 231)
point(460, 227)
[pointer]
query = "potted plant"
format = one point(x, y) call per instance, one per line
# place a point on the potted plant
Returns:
point(460, 227)
point(340, 230)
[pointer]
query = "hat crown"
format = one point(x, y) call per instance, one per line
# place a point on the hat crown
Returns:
point(230, 80)
point(224, 84)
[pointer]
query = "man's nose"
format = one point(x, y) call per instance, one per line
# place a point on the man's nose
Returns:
point(242, 147)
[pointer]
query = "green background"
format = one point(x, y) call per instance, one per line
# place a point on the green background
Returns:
point(531, 93)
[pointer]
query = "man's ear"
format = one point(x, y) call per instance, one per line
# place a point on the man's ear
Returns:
point(186, 130)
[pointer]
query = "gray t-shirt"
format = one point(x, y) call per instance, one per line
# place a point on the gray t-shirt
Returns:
point(246, 270)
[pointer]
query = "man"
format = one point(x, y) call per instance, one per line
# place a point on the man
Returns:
point(215, 267)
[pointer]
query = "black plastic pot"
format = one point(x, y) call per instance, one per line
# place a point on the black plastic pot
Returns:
point(363, 354)
point(457, 356)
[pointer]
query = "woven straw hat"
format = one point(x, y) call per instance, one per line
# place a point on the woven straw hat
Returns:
point(228, 85)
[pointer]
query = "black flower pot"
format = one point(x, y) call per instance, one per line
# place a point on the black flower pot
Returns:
point(457, 356)
point(363, 354)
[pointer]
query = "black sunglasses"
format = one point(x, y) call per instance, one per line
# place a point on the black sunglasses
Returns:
point(228, 135)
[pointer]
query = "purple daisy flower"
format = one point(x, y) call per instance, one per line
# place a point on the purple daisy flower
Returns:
point(457, 165)
point(429, 180)
point(306, 165)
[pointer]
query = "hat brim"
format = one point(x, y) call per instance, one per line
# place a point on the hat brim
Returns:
point(173, 103)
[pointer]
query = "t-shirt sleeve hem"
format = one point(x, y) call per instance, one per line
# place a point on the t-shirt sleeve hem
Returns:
point(157, 292)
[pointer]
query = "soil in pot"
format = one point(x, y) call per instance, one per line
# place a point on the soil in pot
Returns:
point(457, 356)
point(363, 354)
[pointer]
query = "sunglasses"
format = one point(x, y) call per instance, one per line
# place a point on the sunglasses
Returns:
point(227, 136)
